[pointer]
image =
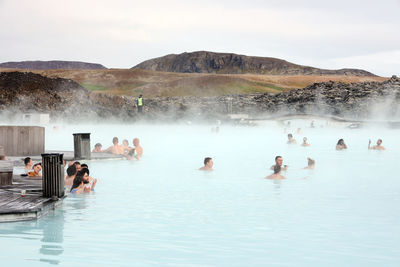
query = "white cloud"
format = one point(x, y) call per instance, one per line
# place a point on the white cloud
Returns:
point(121, 33)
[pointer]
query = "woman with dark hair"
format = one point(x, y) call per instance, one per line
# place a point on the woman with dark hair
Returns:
point(77, 186)
point(341, 145)
point(89, 182)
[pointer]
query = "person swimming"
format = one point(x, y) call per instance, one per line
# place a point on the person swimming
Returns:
point(310, 164)
point(71, 173)
point(277, 173)
point(97, 148)
point(341, 145)
point(125, 146)
point(138, 149)
point(378, 145)
point(78, 185)
point(291, 140)
point(279, 161)
point(208, 164)
point(115, 148)
point(305, 142)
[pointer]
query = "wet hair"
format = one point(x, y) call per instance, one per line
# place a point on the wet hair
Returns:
point(36, 164)
point(290, 135)
point(206, 160)
point(277, 169)
point(77, 163)
point(27, 160)
point(2, 157)
point(123, 141)
point(71, 170)
point(277, 157)
point(97, 145)
point(82, 172)
point(310, 161)
point(115, 140)
point(84, 165)
point(340, 142)
point(77, 182)
point(380, 140)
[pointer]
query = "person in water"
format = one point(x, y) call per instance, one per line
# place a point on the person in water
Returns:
point(137, 149)
point(341, 145)
point(89, 182)
point(277, 174)
point(78, 185)
point(115, 148)
point(305, 142)
point(28, 164)
point(71, 173)
point(208, 164)
point(125, 146)
point(36, 170)
point(291, 140)
point(310, 164)
point(97, 148)
point(279, 161)
point(378, 145)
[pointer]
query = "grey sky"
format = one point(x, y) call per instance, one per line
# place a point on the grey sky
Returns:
point(122, 33)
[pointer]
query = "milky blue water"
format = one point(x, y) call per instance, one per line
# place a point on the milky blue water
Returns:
point(162, 211)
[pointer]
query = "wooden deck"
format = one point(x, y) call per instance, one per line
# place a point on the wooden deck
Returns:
point(14, 207)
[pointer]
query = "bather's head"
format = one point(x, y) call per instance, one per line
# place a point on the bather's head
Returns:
point(340, 142)
point(115, 141)
point(78, 165)
point(311, 162)
point(379, 142)
point(290, 136)
point(125, 142)
point(84, 173)
point(71, 170)
point(37, 168)
point(28, 161)
point(278, 160)
point(208, 162)
point(136, 141)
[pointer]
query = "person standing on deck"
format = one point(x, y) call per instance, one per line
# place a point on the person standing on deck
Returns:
point(139, 103)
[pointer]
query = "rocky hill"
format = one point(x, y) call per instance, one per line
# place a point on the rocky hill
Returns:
point(65, 98)
point(51, 65)
point(228, 63)
point(26, 92)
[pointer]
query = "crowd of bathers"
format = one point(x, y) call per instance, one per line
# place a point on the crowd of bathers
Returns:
point(123, 149)
point(78, 178)
point(278, 166)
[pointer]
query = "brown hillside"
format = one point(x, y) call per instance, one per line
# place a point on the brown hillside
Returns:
point(152, 83)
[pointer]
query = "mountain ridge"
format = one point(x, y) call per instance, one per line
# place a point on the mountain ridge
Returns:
point(230, 63)
point(51, 64)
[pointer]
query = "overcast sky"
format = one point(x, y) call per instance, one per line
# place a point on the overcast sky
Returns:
point(122, 33)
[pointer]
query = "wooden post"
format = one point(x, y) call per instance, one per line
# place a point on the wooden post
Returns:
point(6, 172)
point(53, 175)
point(82, 146)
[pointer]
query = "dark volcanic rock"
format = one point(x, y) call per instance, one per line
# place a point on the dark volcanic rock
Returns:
point(228, 63)
point(20, 91)
point(51, 65)
point(26, 91)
